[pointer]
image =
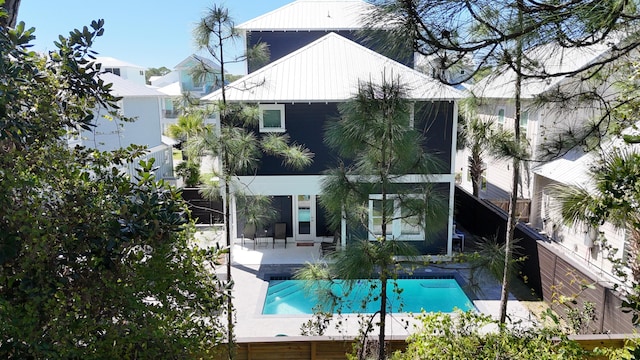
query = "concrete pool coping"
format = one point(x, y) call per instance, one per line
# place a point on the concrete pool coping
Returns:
point(249, 270)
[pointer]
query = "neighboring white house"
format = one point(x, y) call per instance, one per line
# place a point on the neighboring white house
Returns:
point(580, 241)
point(456, 74)
point(542, 121)
point(537, 123)
point(110, 133)
point(182, 81)
point(125, 70)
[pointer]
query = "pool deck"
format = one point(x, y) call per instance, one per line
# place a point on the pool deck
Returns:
point(250, 270)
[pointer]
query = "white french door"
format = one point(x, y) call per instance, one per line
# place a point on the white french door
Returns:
point(304, 210)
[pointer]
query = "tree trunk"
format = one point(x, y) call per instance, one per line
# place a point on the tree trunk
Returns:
point(512, 221)
point(227, 227)
point(383, 315)
point(11, 6)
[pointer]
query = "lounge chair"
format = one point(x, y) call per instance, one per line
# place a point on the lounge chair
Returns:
point(249, 233)
point(280, 233)
point(329, 247)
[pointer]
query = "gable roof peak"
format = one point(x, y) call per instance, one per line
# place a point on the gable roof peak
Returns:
point(329, 69)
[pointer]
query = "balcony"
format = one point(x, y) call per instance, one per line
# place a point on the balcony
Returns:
point(170, 114)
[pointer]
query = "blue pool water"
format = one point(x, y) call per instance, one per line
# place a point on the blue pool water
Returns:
point(432, 295)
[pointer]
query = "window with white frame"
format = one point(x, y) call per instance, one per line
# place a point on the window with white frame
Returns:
point(500, 121)
point(402, 222)
point(524, 122)
point(272, 118)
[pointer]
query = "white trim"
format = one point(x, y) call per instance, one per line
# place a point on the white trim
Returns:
point(296, 219)
point(271, 107)
point(312, 184)
point(454, 138)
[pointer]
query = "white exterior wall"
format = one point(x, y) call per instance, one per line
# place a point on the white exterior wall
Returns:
point(112, 134)
point(577, 240)
point(134, 74)
point(499, 172)
point(163, 156)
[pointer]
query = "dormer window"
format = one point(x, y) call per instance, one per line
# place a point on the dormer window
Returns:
point(272, 118)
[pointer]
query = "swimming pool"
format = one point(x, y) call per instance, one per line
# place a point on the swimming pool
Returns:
point(432, 295)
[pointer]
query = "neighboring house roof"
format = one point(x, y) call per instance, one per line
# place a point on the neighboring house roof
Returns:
point(172, 89)
point(329, 69)
point(107, 61)
point(169, 141)
point(193, 60)
point(125, 88)
point(574, 168)
point(312, 15)
point(550, 58)
point(571, 169)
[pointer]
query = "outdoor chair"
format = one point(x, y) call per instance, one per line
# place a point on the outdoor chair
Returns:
point(329, 247)
point(249, 233)
point(280, 233)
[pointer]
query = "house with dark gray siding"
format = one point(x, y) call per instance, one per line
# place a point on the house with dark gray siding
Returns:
point(299, 92)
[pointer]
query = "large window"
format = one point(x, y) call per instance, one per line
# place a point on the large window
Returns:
point(403, 222)
point(272, 118)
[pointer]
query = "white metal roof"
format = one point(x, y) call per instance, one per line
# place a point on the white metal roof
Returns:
point(107, 61)
point(172, 89)
point(574, 168)
point(550, 58)
point(571, 169)
point(312, 15)
point(126, 88)
point(329, 70)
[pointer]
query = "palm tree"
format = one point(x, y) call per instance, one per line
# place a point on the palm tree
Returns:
point(378, 147)
point(482, 138)
point(613, 196)
point(189, 124)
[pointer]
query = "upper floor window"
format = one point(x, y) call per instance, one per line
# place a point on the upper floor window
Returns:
point(115, 71)
point(272, 118)
point(524, 122)
point(501, 118)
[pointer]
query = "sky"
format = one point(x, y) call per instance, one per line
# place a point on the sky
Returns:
point(147, 33)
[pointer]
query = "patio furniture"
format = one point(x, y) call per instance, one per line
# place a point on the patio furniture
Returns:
point(280, 233)
point(329, 247)
point(249, 233)
point(458, 237)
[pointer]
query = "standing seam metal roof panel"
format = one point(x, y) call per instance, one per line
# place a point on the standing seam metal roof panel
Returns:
point(330, 70)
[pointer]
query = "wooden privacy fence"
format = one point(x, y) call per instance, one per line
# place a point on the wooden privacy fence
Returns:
point(523, 208)
point(303, 347)
point(561, 276)
point(328, 348)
